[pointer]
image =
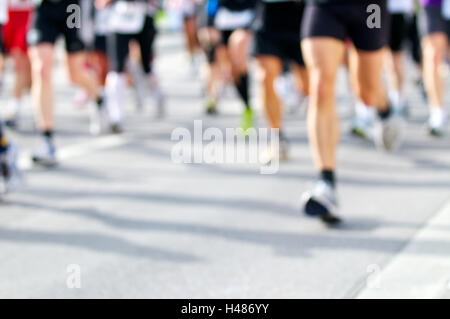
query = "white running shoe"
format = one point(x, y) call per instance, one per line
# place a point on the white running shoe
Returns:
point(363, 122)
point(388, 133)
point(45, 154)
point(11, 176)
point(437, 122)
point(321, 202)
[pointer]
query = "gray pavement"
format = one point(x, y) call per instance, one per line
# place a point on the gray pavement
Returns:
point(138, 225)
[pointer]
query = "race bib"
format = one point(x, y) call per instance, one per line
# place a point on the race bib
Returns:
point(128, 17)
point(231, 20)
point(400, 6)
point(446, 9)
point(102, 25)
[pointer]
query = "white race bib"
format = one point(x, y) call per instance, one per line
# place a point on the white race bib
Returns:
point(400, 6)
point(128, 17)
point(231, 20)
point(101, 22)
point(446, 9)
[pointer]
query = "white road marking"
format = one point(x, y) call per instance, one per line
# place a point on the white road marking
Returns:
point(414, 274)
point(95, 144)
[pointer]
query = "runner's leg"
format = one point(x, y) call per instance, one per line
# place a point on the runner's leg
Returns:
point(323, 124)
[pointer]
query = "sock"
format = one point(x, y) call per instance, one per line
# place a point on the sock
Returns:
point(364, 113)
point(242, 88)
point(114, 90)
point(384, 115)
point(99, 101)
point(47, 134)
point(328, 176)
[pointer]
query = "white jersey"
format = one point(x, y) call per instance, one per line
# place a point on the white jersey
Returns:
point(3, 11)
point(400, 6)
point(20, 5)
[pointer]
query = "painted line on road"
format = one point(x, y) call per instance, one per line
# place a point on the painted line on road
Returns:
point(93, 145)
point(412, 274)
point(80, 149)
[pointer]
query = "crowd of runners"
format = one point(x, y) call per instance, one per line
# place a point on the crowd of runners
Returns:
point(299, 47)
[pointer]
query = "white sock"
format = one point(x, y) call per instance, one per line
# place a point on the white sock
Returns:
point(397, 99)
point(360, 109)
point(114, 93)
point(365, 113)
point(371, 114)
point(437, 117)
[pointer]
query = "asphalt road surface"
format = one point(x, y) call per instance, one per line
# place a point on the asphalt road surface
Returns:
point(118, 218)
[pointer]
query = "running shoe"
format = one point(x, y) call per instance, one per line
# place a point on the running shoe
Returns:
point(436, 132)
point(436, 122)
point(321, 203)
point(12, 122)
point(403, 110)
point(116, 128)
point(45, 154)
point(11, 176)
point(13, 114)
point(211, 108)
point(388, 133)
point(247, 119)
point(360, 129)
point(362, 125)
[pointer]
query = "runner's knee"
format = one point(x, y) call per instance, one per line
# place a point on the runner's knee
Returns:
point(322, 84)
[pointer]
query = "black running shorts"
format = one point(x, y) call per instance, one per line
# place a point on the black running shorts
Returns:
point(347, 20)
point(118, 47)
point(399, 31)
point(432, 21)
point(282, 45)
point(51, 21)
point(100, 43)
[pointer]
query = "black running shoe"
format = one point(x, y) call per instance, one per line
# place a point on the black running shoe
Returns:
point(321, 203)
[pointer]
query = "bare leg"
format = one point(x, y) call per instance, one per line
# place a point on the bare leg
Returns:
point(323, 124)
point(78, 74)
point(271, 67)
point(41, 57)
